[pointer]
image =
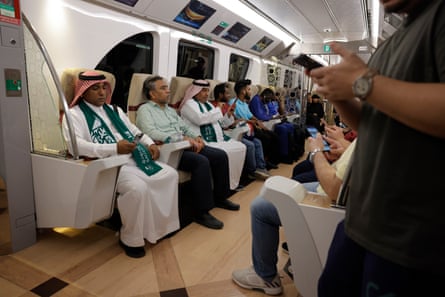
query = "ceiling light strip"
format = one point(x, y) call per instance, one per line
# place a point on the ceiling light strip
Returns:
point(275, 23)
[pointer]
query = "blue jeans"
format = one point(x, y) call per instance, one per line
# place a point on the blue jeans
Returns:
point(249, 163)
point(311, 187)
point(254, 154)
point(265, 224)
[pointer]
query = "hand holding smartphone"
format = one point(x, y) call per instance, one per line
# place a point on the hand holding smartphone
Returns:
point(306, 61)
point(138, 137)
point(313, 132)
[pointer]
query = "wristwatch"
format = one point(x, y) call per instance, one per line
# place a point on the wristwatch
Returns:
point(363, 85)
point(312, 154)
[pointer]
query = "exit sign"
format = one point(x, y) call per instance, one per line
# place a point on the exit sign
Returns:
point(326, 48)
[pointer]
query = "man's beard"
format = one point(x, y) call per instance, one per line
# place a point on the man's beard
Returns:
point(247, 97)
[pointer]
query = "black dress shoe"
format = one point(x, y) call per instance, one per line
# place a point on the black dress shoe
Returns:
point(133, 252)
point(209, 221)
point(227, 204)
point(270, 165)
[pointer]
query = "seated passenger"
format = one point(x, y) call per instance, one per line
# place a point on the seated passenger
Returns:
point(162, 123)
point(263, 108)
point(292, 103)
point(314, 112)
point(304, 171)
point(254, 165)
point(265, 223)
point(268, 139)
point(204, 118)
point(147, 203)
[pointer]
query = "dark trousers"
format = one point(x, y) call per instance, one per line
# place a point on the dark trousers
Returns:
point(304, 172)
point(271, 144)
point(353, 271)
point(285, 132)
point(209, 162)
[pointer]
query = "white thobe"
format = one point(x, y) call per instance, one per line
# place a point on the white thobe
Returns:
point(235, 150)
point(148, 205)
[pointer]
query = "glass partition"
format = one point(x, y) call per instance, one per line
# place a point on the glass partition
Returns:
point(238, 67)
point(46, 129)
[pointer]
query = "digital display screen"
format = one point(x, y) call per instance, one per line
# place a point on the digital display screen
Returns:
point(236, 32)
point(131, 3)
point(262, 44)
point(195, 14)
point(217, 30)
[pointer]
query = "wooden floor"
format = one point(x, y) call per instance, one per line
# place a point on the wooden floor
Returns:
point(195, 262)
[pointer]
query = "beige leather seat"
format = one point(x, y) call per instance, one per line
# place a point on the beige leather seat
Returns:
point(69, 193)
point(308, 229)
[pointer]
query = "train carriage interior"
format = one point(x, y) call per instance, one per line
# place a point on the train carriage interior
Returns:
point(58, 218)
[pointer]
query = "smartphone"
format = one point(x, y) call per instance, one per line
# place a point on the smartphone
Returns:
point(313, 132)
point(138, 137)
point(306, 61)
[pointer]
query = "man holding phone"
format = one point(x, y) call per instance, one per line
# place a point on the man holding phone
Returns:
point(313, 132)
point(328, 172)
point(392, 241)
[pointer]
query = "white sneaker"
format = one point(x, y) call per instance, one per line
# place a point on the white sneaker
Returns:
point(248, 279)
point(262, 173)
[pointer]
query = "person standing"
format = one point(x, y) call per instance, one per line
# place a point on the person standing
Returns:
point(392, 241)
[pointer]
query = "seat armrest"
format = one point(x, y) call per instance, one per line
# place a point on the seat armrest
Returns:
point(170, 153)
point(237, 133)
point(308, 225)
point(292, 117)
point(271, 123)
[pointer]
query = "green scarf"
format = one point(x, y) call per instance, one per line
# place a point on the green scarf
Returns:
point(207, 130)
point(100, 133)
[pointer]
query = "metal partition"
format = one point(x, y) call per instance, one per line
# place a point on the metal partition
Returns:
point(17, 226)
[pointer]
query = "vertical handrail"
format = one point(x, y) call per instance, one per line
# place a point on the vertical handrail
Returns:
point(55, 77)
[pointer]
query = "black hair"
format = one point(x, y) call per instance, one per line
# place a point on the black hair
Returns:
point(315, 96)
point(267, 92)
point(241, 84)
point(200, 60)
point(149, 85)
point(219, 89)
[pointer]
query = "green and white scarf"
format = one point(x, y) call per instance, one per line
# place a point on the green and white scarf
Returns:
point(207, 130)
point(100, 133)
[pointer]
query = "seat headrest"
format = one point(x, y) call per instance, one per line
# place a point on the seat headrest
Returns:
point(69, 78)
point(231, 87)
point(262, 88)
point(254, 89)
point(136, 95)
point(178, 86)
point(282, 91)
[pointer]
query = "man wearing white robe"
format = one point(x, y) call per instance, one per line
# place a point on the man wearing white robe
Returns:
point(148, 204)
point(198, 112)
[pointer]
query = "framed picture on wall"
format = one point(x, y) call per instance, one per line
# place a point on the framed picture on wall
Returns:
point(236, 32)
point(262, 44)
point(194, 14)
